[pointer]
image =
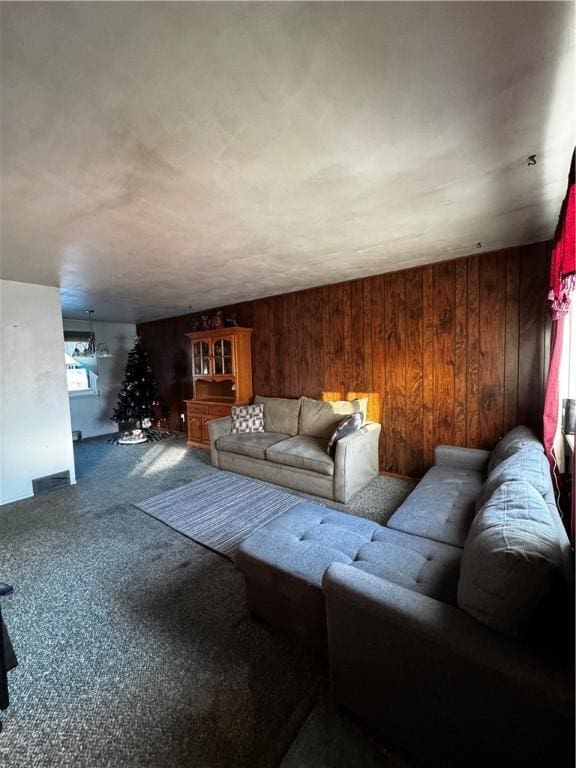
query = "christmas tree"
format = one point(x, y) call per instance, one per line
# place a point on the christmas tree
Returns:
point(138, 398)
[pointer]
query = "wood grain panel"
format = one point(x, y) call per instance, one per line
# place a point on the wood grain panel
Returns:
point(414, 371)
point(444, 352)
point(460, 356)
point(270, 381)
point(452, 352)
point(511, 340)
point(395, 372)
point(492, 348)
point(428, 441)
point(292, 338)
point(261, 340)
point(310, 374)
point(473, 351)
point(532, 331)
point(360, 349)
point(338, 343)
point(378, 306)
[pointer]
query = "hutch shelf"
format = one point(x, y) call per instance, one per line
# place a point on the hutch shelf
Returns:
point(221, 378)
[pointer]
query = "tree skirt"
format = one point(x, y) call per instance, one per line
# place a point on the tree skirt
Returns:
point(152, 435)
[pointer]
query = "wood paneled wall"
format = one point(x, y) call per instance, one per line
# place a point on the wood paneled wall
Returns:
point(454, 352)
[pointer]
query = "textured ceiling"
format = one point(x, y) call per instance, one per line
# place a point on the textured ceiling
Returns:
point(161, 156)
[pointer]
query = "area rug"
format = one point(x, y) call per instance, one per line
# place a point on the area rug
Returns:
point(220, 510)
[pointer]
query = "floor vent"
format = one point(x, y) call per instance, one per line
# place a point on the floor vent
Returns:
point(50, 482)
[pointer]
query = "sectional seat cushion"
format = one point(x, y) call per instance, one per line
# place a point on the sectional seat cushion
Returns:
point(319, 418)
point(304, 541)
point(421, 565)
point(280, 414)
point(252, 444)
point(302, 452)
point(441, 507)
point(514, 440)
point(526, 464)
point(511, 560)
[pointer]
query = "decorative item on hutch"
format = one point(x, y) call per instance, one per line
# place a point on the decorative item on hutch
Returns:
point(221, 378)
point(217, 319)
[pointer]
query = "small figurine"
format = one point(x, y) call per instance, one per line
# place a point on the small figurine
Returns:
point(231, 320)
point(217, 319)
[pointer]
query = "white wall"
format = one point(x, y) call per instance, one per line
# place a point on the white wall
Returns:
point(36, 434)
point(91, 412)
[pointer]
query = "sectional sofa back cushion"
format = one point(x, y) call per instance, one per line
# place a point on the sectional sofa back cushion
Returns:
point(280, 414)
point(512, 559)
point(512, 442)
point(319, 418)
point(527, 464)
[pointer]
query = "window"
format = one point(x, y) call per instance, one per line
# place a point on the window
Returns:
point(567, 386)
point(567, 382)
point(569, 352)
point(80, 377)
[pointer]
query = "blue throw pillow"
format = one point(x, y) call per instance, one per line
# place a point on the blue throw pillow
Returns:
point(346, 427)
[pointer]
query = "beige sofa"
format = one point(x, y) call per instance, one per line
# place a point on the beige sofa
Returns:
point(292, 449)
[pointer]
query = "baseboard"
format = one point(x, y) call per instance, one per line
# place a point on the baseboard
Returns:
point(397, 476)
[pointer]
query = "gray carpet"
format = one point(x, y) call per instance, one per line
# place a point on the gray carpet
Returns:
point(134, 644)
point(135, 649)
point(330, 739)
point(219, 510)
point(376, 502)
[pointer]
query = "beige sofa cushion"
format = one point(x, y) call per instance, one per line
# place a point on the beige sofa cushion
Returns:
point(302, 452)
point(280, 414)
point(252, 444)
point(320, 419)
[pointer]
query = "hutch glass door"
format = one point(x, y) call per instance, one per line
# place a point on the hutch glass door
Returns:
point(201, 358)
point(223, 357)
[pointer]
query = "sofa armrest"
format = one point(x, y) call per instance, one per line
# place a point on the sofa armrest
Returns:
point(356, 461)
point(218, 428)
point(461, 458)
point(429, 628)
point(432, 680)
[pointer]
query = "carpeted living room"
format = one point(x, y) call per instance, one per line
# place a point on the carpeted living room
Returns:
point(288, 384)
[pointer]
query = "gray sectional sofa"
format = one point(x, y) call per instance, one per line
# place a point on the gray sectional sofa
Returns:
point(448, 630)
point(292, 449)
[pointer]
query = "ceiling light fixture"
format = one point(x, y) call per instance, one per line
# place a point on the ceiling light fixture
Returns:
point(91, 348)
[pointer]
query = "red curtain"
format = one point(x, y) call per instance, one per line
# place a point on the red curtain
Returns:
point(563, 263)
point(551, 399)
point(562, 283)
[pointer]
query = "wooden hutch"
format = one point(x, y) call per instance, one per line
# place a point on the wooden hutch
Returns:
point(221, 378)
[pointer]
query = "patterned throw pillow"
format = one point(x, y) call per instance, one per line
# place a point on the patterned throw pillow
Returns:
point(345, 428)
point(247, 418)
